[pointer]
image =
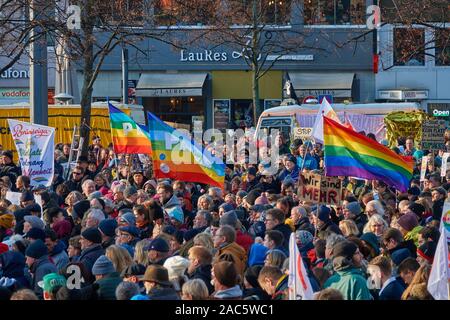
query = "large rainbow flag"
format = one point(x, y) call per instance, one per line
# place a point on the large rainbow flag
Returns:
point(348, 153)
point(127, 136)
point(177, 157)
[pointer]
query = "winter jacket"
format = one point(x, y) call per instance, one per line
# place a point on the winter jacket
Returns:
point(237, 252)
point(12, 171)
point(305, 224)
point(203, 273)
point(90, 255)
point(257, 255)
point(308, 163)
point(39, 269)
point(234, 293)
point(108, 285)
point(173, 209)
point(393, 291)
point(13, 266)
point(437, 208)
point(281, 289)
point(244, 240)
point(255, 294)
point(292, 174)
point(59, 255)
point(330, 227)
point(361, 221)
point(350, 283)
point(163, 293)
point(73, 185)
point(286, 231)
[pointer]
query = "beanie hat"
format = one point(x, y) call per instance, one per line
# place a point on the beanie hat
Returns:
point(241, 194)
point(344, 249)
point(129, 218)
point(108, 227)
point(80, 208)
point(51, 281)
point(131, 230)
point(251, 171)
point(417, 208)
point(176, 266)
point(324, 213)
point(229, 218)
point(62, 228)
point(226, 207)
point(26, 196)
point(35, 233)
point(35, 222)
point(129, 191)
point(262, 200)
point(102, 266)
point(408, 221)
point(354, 208)
point(36, 250)
point(303, 238)
point(3, 248)
point(251, 197)
point(427, 251)
point(371, 239)
point(95, 195)
point(92, 234)
point(257, 254)
point(6, 221)
point(158, 244)
point(257, 229)
point(291, 158)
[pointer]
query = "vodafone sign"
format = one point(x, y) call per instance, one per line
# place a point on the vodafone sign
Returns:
point(14, 93)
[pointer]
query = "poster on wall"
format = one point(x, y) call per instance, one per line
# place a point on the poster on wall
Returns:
point(221, 110)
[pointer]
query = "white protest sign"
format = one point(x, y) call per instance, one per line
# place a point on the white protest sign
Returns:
point(423, 168)
point(302, 133)
point(35, 146)
point(14, 197)
point(444, 164)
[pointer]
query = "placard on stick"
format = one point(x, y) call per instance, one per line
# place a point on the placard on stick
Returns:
point(316, 188)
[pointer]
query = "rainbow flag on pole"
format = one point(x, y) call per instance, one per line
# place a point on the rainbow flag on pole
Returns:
point(348, 153)
point(176, 156)
point(127, 136)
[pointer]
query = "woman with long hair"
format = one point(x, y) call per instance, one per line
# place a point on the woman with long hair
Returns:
point(119, 256)
point(417, 289)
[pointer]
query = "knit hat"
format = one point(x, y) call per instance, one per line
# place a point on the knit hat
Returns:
point(108, 227)
point(34, 207)
point(131, 230)
point(229, 218)
point(176, 266)
point(102, 266)
point(417, 208)
point(6, 220)
point(26, 196)
point(408, 221)
point(95, 195)
point(129, 218)
point(129, 191)
point(258, 208)
point(262, 200)
point(92, 234)
point(7, 153)
point(226, 207)
point(36, 250)
point(35, 233)
point(137, 270)
point(3, 248)
point(158, 244)
point(35, 222)
point(371, 239)
point(158, 274)
point(80, 208)
point(344, 249)
point(51, 281)
point(62, 228)
point(252, 196)
point(291, 158)
point(257, 229)
point(251, 171)
point(354, 208)
point(241, 194)
point(303, 237)
point(427, 251)
point(324, 213)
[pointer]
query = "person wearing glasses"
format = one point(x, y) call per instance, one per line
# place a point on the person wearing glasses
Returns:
point(76, 180)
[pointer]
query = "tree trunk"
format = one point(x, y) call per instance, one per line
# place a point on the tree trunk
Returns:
point(255, 63)
point(255, 95)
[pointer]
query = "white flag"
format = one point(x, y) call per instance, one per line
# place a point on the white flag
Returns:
point(438, 281)
point(299, 285)
point(327, 111)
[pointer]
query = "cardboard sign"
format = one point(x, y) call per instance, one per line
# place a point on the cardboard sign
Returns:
point(423, 168)
point(316, 188)
point(302, 133)
point(444, 164)
point(433, 135)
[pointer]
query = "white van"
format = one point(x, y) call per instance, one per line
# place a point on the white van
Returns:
point(283, 118)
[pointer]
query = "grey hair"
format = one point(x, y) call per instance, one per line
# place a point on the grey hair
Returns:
point(196, 288)
point(86, 182)
point(126, 290)
point(377, 206)
point(97, 214)
point(301, 211)
point(206, 215)
point(332, 239)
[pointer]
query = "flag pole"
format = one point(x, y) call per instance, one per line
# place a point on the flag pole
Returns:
point(116, 160)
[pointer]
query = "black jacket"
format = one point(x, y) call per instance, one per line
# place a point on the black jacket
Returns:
point(305, 224)
point(90, 255)
point(330, 227)
point(393, 291)
point(203, 273)
point(163, 293)
point(286, 231)
point(437, 209)
point(12, 171)
point(73, 185)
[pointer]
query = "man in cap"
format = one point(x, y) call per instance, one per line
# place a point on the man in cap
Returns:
point(158, 251)
point(106, 277)
point(128, 237)
point(108, 230)
point(50, 284)
point(157, 284)
point(91, 248)
point(39, 264)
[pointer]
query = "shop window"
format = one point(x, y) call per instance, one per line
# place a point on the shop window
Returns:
point(442, 38)
point(123, 12)
point(334, 12)
point(184, 13)
point(277, 11)
point(409, 45)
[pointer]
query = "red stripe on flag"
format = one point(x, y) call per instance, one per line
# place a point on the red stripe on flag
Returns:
point(300, 273)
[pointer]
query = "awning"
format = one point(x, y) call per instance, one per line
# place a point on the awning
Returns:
point(338, 85)
point(170, 84)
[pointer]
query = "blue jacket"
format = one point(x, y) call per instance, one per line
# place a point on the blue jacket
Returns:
point(393, 291)
point(285, 173)
point(90, 255)
point(39, 269)
point(310, 162)
point(59, 255)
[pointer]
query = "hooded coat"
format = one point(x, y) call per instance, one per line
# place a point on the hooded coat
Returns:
point(350, 282)
point(59, 255)
point(13, 265)
point(39, 269)
point(203, 273)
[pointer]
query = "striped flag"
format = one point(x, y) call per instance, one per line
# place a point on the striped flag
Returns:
point(299, 285)
point(127, 136)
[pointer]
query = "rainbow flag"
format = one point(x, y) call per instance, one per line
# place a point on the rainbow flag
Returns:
point(127, 136)
point(176, 156)
point(348, 153)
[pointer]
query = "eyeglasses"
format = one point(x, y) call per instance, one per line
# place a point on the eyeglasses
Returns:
point(77, 173)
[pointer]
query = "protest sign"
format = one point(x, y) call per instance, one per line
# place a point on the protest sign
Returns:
point(316, 188)
point(14, 197)
point(423, 168)
point(444, 164)
point(433, 135)
point(35, 146)
point(302, 133)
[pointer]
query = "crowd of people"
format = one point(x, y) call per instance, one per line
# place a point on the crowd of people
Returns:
point(127, 235)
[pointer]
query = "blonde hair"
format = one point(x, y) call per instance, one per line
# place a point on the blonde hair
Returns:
point(376, 218)
point(196, 288)
point(275, 258)
point(348, 228)
point(421, 277)
point(140, 254)
point(204, 240)
point(208, 199)
point(119, 256)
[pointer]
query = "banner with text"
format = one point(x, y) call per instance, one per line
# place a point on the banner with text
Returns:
point(35, 146)
point(316, 188)
point(433, 132)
